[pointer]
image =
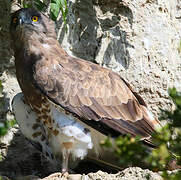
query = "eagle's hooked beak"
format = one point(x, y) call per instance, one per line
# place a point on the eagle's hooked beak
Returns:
point(21, 22)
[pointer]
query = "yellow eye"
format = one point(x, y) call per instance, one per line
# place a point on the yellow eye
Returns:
point(34, 18)
point(15, 20)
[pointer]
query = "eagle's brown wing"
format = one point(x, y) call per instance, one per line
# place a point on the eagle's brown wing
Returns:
point(98, 96)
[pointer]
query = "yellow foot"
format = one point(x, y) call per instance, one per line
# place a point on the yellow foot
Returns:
point(65, 176)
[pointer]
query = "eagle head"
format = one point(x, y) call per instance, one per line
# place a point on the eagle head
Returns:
point(28, 23)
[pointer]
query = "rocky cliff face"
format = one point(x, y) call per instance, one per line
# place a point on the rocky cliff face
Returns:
point(139, 39)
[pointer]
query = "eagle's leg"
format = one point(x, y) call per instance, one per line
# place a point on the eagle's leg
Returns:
point(65, 160)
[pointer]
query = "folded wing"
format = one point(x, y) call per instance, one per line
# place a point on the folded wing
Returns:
point(96, 95)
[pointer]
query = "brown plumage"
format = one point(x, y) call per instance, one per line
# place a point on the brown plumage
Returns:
point(95, 95)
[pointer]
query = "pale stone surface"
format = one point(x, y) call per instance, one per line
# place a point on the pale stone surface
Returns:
point(135, 173)
point(137, 38)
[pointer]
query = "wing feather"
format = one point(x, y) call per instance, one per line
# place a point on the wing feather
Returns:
point(98, 96)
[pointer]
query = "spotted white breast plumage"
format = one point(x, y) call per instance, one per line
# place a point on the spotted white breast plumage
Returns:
point(70, 132)
point(31, 129)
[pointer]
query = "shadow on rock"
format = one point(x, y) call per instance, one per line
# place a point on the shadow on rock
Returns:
point(22, 159)
point(95, 32)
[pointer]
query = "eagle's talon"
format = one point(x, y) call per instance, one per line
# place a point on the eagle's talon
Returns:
point(65, 175)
